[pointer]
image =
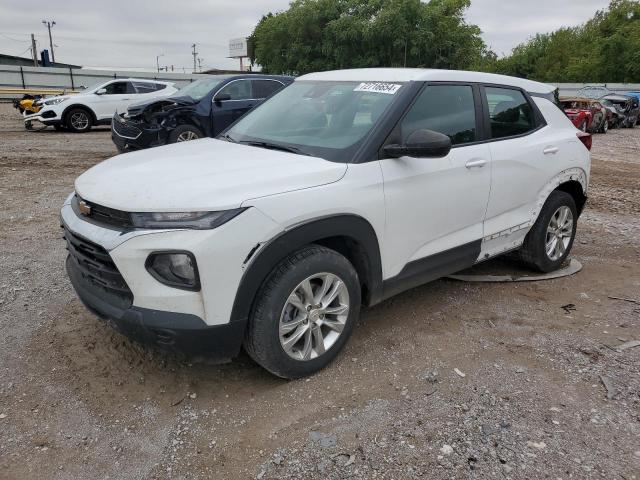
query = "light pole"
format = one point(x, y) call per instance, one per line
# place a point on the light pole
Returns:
point(158, 61)
point(49, 25)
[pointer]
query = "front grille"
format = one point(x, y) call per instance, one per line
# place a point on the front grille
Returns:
point(103, 215)
point(126, 130)
point(97, 268)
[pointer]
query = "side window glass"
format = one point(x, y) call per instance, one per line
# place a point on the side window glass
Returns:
point(144, 87)
point(265, 88)
point(116, 88)
point(509, 112)
point(159, 86)
point(447, 109)
point(237, 90)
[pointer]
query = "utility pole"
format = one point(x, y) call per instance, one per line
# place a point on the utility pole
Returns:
point(158, 61)
point(34, 50)
point(49, 25)
point(195, 56)
point(200, 64)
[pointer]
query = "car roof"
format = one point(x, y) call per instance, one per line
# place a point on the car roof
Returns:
point(425, 75)
point(576, 99)
point(617, 97)
point(147, 80)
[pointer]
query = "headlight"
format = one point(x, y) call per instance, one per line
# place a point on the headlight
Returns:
point(54, 101)
point(193, 220)
point(174, 269)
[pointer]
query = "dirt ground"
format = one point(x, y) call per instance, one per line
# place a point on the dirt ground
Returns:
point(77, 400)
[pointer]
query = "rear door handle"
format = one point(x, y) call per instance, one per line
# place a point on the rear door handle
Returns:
point(551, 150)
point(479, 163)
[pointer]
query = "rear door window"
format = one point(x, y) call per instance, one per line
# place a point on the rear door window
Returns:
point(447, 109)
point(265, 88)
point(237, 90)
point(510, 114)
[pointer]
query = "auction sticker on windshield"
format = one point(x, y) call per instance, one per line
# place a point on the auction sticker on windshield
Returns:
point(378, 87)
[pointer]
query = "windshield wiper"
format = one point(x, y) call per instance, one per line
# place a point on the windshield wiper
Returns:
point(274, 146)
point(229, 138)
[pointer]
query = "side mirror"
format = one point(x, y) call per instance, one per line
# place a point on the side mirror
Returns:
point(101, 91)
point(421, 144)
point(223, 97)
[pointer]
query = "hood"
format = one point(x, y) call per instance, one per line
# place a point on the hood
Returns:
point(158, 104)
point(200, 175)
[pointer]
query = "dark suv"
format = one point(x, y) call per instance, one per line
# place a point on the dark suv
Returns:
point(201, 109)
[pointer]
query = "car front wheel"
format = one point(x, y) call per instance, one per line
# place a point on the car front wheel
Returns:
point(78, 120)
point(304, 313)
point(549, 241)
point(184, 133)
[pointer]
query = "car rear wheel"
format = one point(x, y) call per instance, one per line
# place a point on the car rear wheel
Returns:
point(549, 241)
point(605, 126)
point(185, 133)
point(304, 313)
point(78, 120)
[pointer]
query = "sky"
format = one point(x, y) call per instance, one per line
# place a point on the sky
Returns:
point(131, 34)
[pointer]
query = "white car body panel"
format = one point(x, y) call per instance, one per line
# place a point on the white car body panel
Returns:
point(522, 172)
point(422, 203)
point(201, 175)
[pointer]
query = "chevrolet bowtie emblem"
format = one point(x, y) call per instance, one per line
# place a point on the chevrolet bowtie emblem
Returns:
point(85, 209)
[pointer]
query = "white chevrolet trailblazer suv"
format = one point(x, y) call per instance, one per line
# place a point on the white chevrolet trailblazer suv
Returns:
point(96, 105)
point(343, 189)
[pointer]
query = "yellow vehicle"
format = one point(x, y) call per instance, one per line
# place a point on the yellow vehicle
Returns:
point(27, 104)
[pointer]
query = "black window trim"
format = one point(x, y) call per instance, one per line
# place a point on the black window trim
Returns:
point(266, 80)
point(483, 134)
point(539, 119)
point(477, 102)
point(250, 80)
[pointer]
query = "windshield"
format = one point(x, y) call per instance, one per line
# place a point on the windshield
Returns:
point(319, 118)
point(198, 89)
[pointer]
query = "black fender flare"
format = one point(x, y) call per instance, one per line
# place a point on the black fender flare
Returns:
point(94, 119)
point(352, 227)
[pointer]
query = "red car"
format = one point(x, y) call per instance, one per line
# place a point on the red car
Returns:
point(586, 114)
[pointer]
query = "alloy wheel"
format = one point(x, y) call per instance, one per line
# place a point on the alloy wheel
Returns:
point(187, 136)
point(559, 233)
point(79, 120)
point(314, 316)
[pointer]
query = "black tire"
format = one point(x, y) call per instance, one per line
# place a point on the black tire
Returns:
point(184, 130)
point(262, 339)
point(533, 252)
point(605, 126)
point(78, 120)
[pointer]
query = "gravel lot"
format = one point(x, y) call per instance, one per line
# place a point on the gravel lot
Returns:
point(77, 400)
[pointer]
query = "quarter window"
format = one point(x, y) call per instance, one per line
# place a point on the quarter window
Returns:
point(265, 88)
point(237, 90)
point(448, 109)
point(509, 112)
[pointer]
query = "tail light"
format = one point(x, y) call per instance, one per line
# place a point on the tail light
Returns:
point(586, 139)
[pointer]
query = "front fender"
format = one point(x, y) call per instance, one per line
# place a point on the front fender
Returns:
point(266, 257)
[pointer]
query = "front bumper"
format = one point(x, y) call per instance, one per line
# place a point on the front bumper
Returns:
point(44, 116)
point(181, 333)
point(114, 283)
point(129, 136)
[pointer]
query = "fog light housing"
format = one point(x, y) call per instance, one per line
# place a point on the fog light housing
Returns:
point(175, 269)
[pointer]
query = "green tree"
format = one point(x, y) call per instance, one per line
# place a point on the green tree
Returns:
point(314, 35)
point(604, 49)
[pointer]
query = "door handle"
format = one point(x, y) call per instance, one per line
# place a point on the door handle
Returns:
point(551, 150)
point(479, 163)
